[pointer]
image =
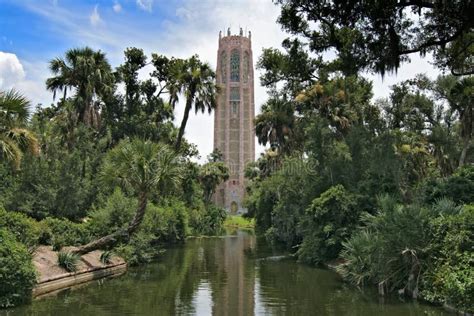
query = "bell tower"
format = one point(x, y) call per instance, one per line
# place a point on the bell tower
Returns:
point(234, 115)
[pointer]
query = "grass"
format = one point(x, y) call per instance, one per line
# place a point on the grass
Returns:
point(237, 221)
point(68, 261)
point(106, 257)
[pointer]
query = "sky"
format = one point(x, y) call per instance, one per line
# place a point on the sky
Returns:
point(32, 32)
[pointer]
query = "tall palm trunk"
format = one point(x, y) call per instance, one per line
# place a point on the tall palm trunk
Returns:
point(465, 147)
point(187, 109)
point(122, 234)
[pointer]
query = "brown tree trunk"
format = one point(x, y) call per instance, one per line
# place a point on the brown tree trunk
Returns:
point(465, 148)
point(122, 234)
point(187, 109)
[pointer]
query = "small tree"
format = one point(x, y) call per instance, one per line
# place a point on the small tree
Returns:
point(139, 166)
point(14, 138)
point(211, 175)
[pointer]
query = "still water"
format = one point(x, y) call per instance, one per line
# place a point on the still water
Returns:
point(231, 275)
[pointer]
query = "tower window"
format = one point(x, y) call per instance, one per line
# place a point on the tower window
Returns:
point(246, 67)
point(223, 67)
point(234, 99)
point(235, 66)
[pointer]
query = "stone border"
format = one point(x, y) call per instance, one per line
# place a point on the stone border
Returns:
point(69, 280)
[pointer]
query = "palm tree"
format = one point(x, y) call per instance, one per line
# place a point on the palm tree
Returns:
point(196, 81)
point(141, 166)
point(276, 124)
point(460, 96)
point(14, 138)
point(464, 92)
point(89, 73)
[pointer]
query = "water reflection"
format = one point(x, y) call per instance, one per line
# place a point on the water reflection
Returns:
point(235, 275)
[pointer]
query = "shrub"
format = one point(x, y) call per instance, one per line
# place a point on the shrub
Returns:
point(167, 222)
point(25, 229)
point(139, 249)
point(63, 232)
point(106, 257)
point(68, 261)
point(459, 187)
point(17, 274)
point(451, 277)
point(416, 250)
point(329, 221)
point(207, 220)
point(116, 213)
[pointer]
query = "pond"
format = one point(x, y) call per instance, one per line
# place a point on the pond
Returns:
point(230, 275)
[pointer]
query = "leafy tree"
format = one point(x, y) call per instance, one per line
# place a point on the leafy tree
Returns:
point(141, 111)
point(89, 73)
point(211, 175)
point(15, 139)
point(330, 219)
point(380, 35)
point(459, 95)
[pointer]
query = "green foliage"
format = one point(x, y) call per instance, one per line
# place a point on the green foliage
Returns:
point(17, 273)
point(236, 221)
point(414, 250)
point(331, 219)
point(62, 232)
point(450, 279)
point(15, 140)
point(115, 214)
point(61, 181)
point(106, 257)
point(378, 36)
point(26, 230)
point(68, 261)
point(139, 250)
point(167, 222)
point(210, 176)
point(459, 187)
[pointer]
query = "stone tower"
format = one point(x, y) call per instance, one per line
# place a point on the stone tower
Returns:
point(234, 115)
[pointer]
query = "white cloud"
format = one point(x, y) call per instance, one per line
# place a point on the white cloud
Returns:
point(117, 7)
point(11, 70)
point(146, 5)
point(94, 18)
point(183, 13)
point(28, 78)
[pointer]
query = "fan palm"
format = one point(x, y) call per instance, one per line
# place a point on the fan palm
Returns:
point(14, 138)
point(196, 81)
point(140, 166)
point(89, 73)
point(276, 123)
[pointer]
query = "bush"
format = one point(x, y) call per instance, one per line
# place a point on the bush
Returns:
point(207, 220)
point(167, 222)
point(63, 232)
point(139, 249)
point(451, 277)
point(106, 257)
point(25, 229)
point(459, 187)
point(117, 212)
point(415, 250)
point(328, 222)
point(17, 274)
point(68, 261)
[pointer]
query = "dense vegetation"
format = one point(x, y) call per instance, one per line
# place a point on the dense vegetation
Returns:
point(383, 188)
point(101, 168)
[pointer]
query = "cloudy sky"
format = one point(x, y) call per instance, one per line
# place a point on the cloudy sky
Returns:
point(33, 32)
